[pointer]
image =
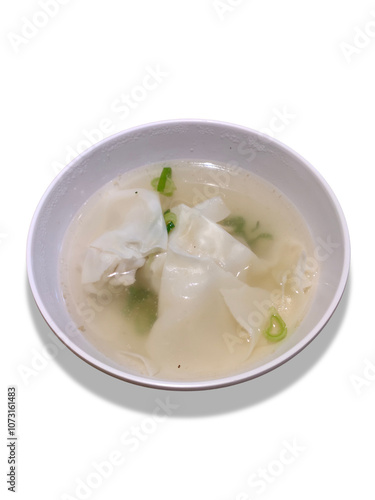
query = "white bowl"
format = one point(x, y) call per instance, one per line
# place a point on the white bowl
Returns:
point(188, 139)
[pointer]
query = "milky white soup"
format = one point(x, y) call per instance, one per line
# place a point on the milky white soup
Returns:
point(187, 270)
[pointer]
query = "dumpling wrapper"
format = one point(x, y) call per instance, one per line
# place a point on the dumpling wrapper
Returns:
point(196, 329)
point(203, 311)
point(213, 209)
point(196, 235)
point(120, 252)
point(250, 307)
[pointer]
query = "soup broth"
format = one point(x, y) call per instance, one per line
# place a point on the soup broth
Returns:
point(187, 270)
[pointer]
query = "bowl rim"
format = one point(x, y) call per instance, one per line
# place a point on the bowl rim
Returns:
point(195, 384)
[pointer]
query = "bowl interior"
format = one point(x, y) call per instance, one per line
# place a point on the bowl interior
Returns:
point(199, 140)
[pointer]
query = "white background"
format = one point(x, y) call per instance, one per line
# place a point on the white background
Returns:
point(64, 76)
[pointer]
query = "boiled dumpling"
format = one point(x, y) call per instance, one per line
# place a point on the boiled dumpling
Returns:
point(202, 305)
point(196, 235)
point(141, 231)
point(202, 301)
point(191, 313)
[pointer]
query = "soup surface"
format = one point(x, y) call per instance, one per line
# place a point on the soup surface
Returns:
point(187, 270)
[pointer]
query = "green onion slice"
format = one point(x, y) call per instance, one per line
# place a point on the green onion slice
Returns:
point(170, 220)
point(277, 329)
point(164, 183)
point(166, 174)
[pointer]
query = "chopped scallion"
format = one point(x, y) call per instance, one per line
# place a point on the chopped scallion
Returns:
point(164, 184)
point(166, 174)
point(155, 182)
point(236, 225)
point(277, 329)
point(266, 236)
point(170, 220)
